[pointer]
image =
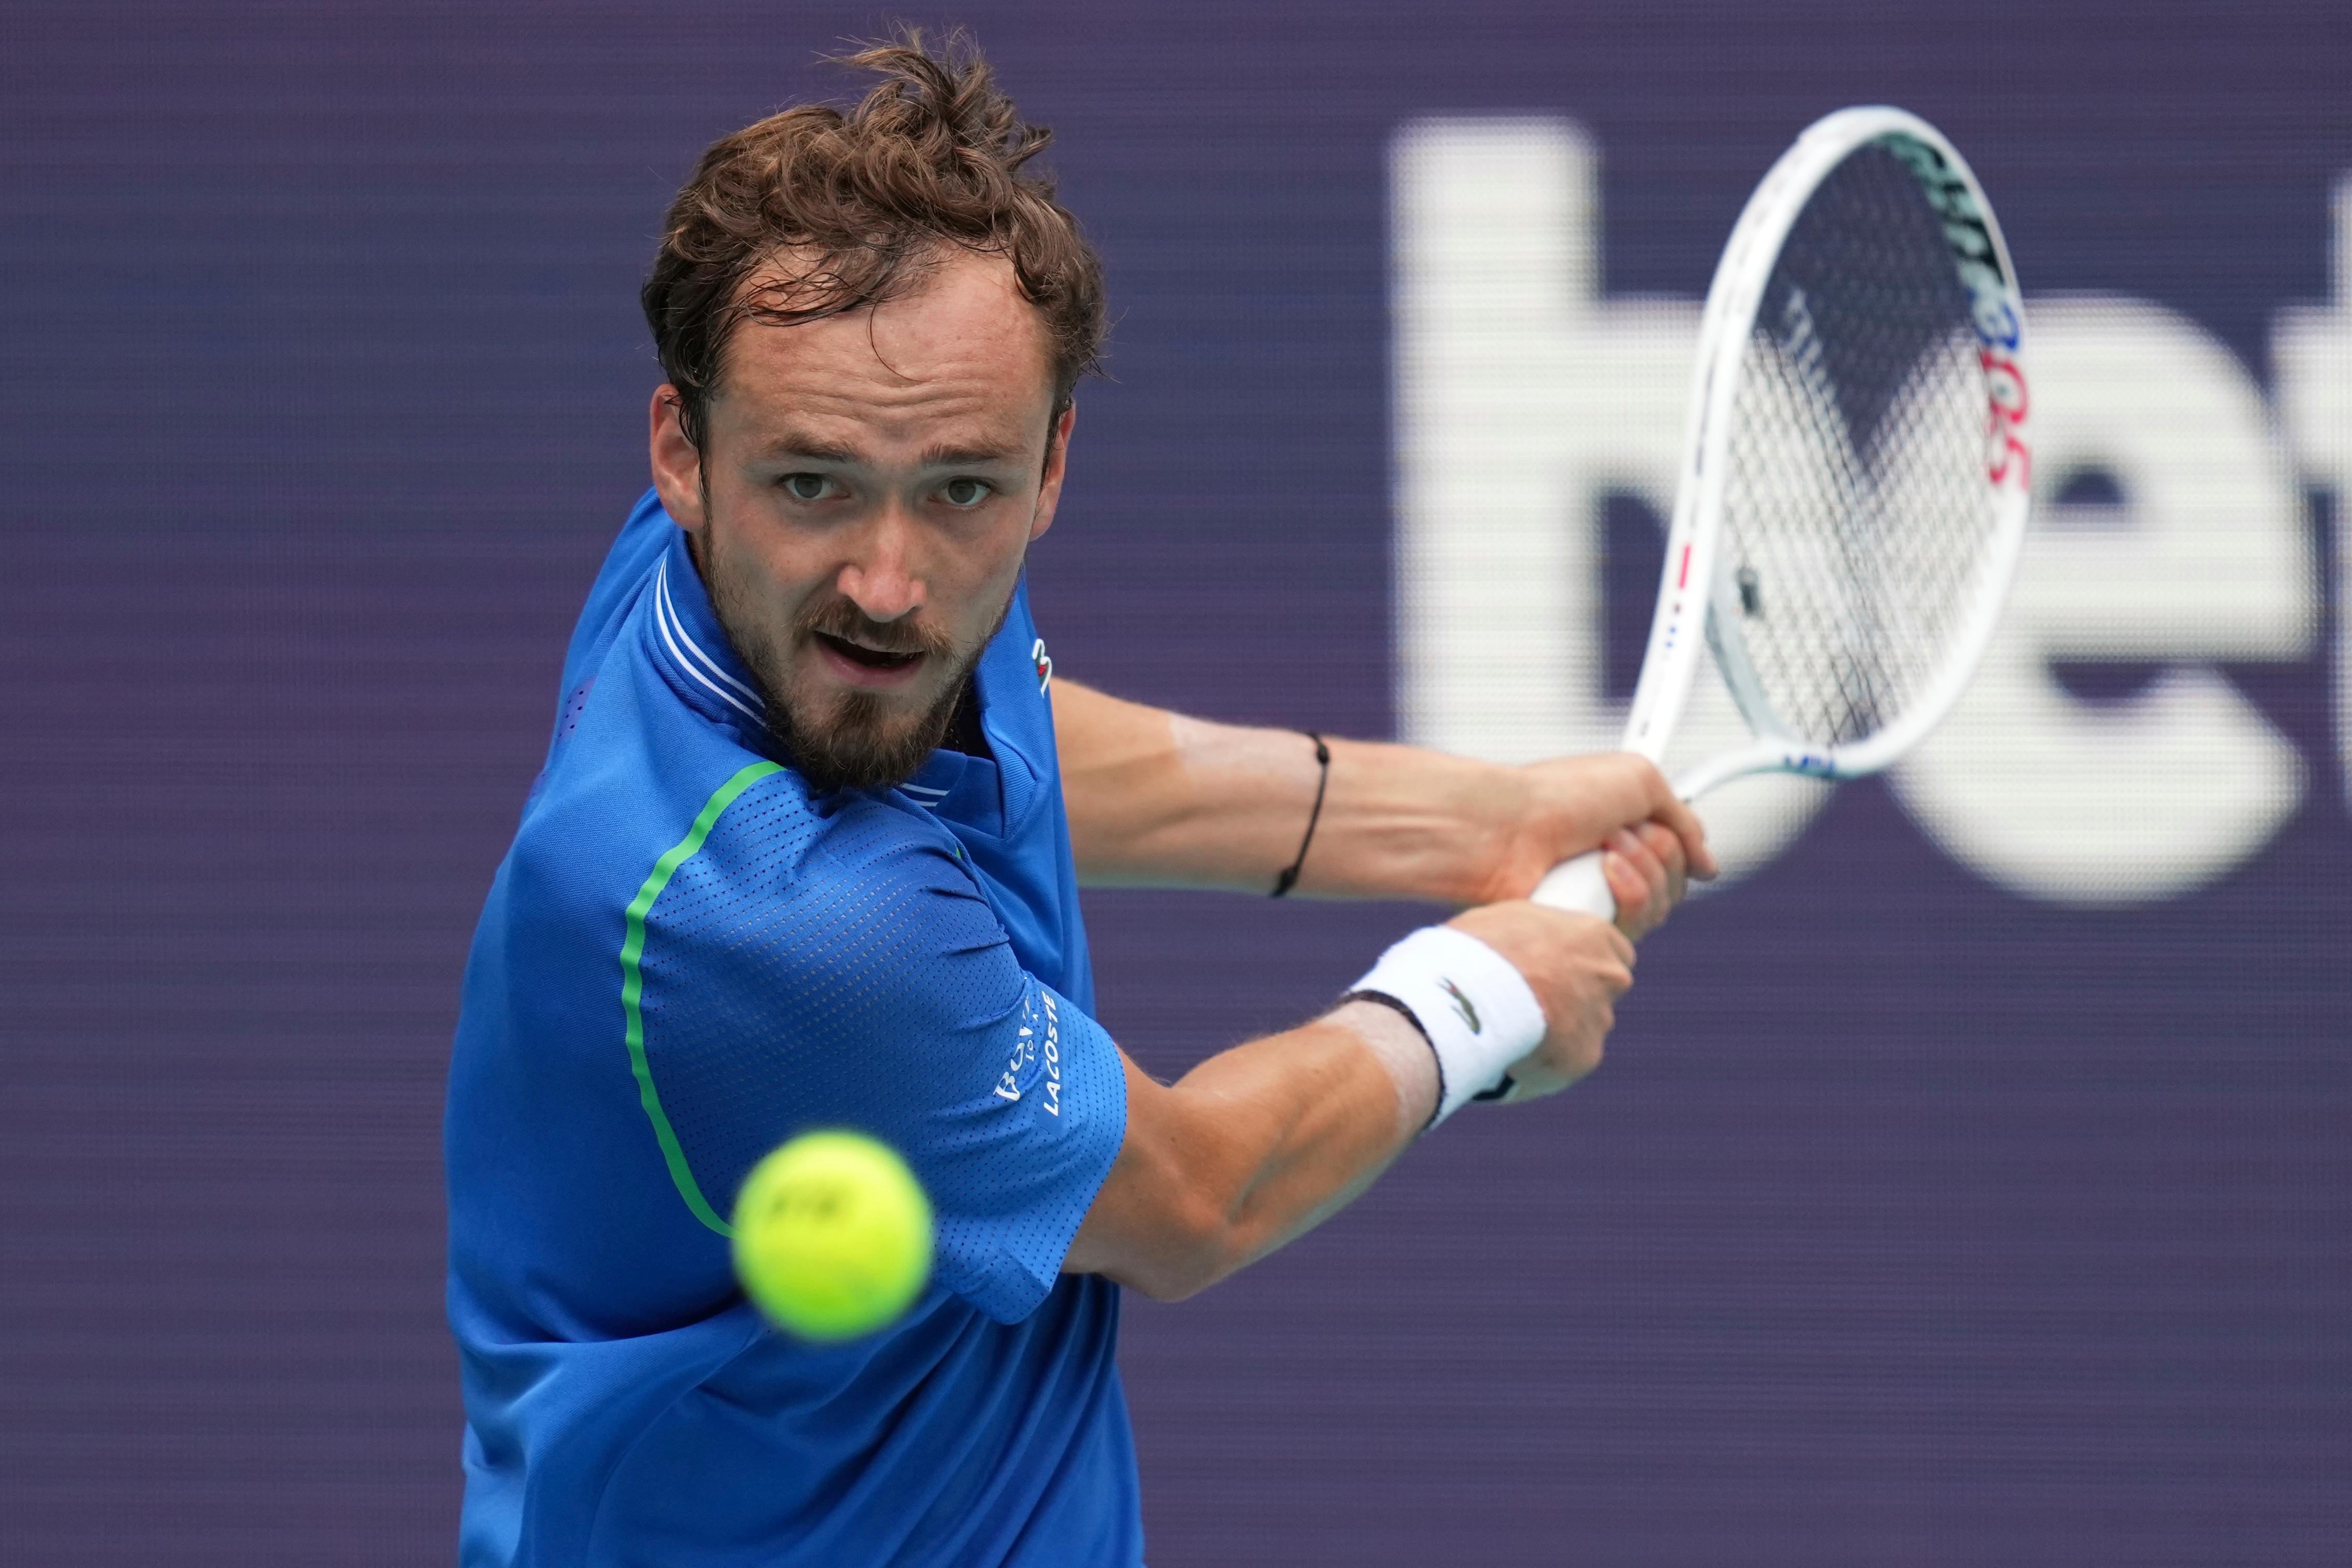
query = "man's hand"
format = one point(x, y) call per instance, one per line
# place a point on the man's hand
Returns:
point(1616, 802)
point(1577, 965)
point(1649, 871)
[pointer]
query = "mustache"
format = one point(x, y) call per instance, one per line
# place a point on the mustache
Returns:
point(841, 618)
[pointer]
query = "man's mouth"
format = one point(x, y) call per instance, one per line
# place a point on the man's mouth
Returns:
point(872, 658)
point(865, 665)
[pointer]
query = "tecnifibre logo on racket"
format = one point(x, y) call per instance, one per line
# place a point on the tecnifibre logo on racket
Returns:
point(2185, 544)
point(1975, 255)
point(1978, 262)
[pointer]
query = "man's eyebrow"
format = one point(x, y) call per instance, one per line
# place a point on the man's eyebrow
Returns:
point(976, 456)
point(795, 443)
point(981, 454)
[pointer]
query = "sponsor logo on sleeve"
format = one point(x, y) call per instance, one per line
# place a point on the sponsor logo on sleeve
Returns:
point(1036, 1056)
point(1052, 1051)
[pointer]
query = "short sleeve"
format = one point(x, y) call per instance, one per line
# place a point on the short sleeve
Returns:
point(808, 968)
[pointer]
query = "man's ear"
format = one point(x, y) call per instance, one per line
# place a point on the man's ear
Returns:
point(677, 462)
point(1057, 461)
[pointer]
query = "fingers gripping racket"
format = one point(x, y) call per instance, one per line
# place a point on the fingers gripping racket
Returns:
point(1853, 490)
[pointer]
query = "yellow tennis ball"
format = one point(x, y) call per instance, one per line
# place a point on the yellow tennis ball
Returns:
point(833, 1235)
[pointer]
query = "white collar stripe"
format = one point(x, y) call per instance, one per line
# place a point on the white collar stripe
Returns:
point(663, 620)
point(670, 609)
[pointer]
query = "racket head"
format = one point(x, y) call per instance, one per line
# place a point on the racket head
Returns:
point(1854, 485)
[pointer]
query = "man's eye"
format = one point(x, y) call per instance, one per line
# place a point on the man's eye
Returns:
point(966, 493)
point(807, 487)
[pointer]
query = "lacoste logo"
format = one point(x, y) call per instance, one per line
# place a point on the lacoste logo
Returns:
point(1045, 663)
point(1460, 1004)
point(1036, 1038)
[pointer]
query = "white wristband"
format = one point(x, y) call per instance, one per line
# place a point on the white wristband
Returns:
point(1478, 1012)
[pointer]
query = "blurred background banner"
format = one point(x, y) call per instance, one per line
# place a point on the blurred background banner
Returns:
point(1970, 1179)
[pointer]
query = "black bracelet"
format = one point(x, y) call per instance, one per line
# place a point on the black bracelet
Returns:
point(1289, 878)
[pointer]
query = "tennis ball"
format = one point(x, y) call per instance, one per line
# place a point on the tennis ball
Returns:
point(833, 1235)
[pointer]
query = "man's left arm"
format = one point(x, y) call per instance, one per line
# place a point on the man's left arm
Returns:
point(1158, 799)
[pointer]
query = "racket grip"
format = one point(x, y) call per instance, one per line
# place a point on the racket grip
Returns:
point(1579, 885)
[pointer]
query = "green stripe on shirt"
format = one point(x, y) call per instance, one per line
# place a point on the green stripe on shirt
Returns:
point(632, 983)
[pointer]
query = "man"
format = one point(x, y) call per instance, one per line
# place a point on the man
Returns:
point(805, 852)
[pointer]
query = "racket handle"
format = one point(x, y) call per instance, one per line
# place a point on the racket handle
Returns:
point(1578, 885)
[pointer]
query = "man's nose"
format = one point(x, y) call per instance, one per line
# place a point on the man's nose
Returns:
point(882, 577)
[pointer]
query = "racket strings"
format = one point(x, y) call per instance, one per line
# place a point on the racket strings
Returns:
point(1857, 520)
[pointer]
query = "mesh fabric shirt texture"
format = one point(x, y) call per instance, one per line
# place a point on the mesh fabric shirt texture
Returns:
point(688, 957)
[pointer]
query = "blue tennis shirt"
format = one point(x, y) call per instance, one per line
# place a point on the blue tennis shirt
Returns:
point(688, 957)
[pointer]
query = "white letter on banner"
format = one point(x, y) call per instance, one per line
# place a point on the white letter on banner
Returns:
point(2310, 353)
point(1522, 399)
point(2206, 559)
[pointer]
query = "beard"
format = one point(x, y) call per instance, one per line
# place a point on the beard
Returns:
point(854, 740)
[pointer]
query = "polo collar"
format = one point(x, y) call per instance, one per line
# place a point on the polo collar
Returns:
point(691, 644)
point(702, 666)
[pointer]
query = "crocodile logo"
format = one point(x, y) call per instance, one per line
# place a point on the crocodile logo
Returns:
point(1460, 1004)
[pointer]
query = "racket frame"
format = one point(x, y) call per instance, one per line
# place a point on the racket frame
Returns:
point(1693, 606)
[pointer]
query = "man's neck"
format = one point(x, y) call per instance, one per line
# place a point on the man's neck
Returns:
point(965, 734)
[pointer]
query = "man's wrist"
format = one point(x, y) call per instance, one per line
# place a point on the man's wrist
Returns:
point(1413, 823)
point(1477, 1013)
point(1508, 810)
point(1388, 1030)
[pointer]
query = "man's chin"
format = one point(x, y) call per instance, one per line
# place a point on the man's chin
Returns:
point(864, 740)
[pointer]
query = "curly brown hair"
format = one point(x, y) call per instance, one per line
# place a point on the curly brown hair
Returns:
point(860, 208)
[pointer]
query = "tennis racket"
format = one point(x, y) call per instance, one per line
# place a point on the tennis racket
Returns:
point(1854, 481)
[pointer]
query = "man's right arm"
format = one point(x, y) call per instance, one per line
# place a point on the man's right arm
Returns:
point(1259, 1144)
point(1158, 799)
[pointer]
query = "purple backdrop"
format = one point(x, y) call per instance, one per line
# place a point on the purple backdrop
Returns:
point(1936, 1227)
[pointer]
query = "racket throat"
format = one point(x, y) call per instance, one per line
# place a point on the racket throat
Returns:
point(1764, 755)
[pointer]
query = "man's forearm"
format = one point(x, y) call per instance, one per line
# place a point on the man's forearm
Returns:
point(1157, 799)
point(1254, 1148)
point(1259, 1144)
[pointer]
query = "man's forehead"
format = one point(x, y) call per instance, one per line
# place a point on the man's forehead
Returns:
point(962, 342)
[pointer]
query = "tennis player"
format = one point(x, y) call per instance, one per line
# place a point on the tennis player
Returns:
point(805, 852)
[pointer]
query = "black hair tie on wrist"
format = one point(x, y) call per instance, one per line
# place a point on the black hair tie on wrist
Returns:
point(1289, 878)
